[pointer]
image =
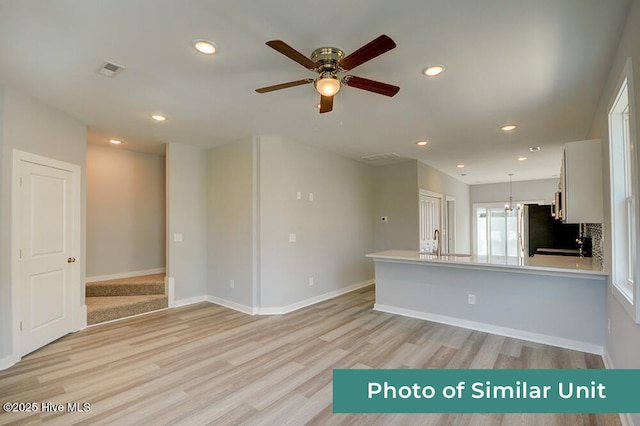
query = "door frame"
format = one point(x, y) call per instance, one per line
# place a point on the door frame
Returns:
point(450, 226)
point(77, 309)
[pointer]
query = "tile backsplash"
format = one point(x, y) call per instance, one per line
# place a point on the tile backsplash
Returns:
point(594, 231)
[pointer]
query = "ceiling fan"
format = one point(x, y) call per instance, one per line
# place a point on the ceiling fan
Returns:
point(328, 62)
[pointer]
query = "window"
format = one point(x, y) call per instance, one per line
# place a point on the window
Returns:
point(624, 189)
point(497, 230)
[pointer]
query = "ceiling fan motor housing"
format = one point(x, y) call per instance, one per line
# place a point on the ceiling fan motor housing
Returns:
point(327, 59)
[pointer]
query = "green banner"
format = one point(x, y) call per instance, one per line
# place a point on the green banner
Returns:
point(486, 391)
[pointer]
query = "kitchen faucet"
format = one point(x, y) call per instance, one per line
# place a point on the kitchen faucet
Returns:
point(436, 236)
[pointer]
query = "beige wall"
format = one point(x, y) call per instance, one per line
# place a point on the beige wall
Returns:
point(125, 211)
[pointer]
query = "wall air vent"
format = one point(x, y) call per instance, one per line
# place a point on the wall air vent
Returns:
point(379, 157)
point(109, 69)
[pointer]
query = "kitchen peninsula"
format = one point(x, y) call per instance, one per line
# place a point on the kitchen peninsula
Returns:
point(556, 300)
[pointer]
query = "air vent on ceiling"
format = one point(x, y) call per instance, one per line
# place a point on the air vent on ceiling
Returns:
point(378, 157)
point(109, 69)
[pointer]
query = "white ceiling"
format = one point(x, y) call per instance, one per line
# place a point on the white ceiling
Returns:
point(539, 63)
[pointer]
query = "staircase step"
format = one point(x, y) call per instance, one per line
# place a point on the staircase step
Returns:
point(142, 285)
point(107, 308)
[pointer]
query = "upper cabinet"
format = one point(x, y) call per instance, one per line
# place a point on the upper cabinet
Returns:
point(581, 182)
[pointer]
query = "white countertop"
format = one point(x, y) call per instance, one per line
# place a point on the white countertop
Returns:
point(543, 264)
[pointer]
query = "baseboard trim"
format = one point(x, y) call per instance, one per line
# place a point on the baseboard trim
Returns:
point(272, 311)
point(8, 361)
point(231, 305)
point(313, 300)
point(493, 329)
point(189, 301)
point(125, 275)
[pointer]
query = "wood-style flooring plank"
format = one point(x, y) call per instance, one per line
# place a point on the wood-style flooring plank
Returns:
point(205, 364)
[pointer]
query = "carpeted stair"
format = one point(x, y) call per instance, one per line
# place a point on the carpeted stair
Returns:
point(113, 299)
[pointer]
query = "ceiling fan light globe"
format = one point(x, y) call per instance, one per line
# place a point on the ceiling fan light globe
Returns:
point(328, 86)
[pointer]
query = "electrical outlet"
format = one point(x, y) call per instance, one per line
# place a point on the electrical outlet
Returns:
point(292, 238)
point(311, 281)
point(471, 299)
point(232, 284)
point(299, 195)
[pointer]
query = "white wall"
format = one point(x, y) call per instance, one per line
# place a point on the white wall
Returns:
point(436, 181)
point(543, 189)
point(333, 232)
point(125, 211)
point(187, 215)
point(623, 343)
point(31, 126)
point(231, 228)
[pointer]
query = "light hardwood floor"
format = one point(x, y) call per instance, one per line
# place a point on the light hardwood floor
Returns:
point(205, 364)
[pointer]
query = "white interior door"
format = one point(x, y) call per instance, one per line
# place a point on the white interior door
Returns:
point(48, 213)
point(429, 221)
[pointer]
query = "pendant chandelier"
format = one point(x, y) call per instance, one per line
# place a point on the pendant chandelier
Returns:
point(509, 207)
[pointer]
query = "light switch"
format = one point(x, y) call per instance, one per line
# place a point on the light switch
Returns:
point(177, 238)
point(311, 196)
point(292, 238)
point(299, 195)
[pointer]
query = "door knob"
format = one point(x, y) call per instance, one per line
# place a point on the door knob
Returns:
point(71, 260)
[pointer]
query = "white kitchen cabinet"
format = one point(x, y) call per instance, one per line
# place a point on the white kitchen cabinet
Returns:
point(581, 182)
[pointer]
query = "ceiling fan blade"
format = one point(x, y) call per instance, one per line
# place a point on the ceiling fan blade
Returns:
point(370, 85)
point(284, 85)
point(292, 53)
point(367, 52)
point(326, 103)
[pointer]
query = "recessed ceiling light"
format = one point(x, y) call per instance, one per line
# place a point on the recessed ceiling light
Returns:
point(460, 166)
point(115, 141)
point(433, 70)
point(522, 158)
point(205, 46)
point(159, 117)
point(422, 143)
point(534, 149)
point(508, 127)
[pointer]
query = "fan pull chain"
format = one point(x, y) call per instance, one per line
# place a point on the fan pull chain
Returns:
point(316, 111)
point(340, 109)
